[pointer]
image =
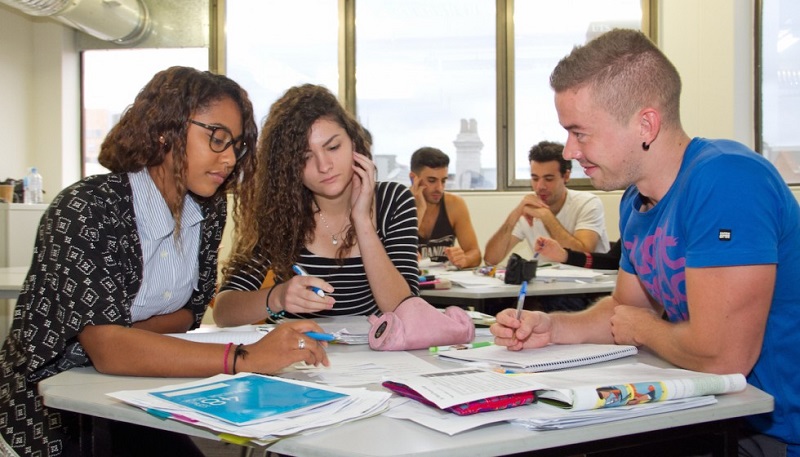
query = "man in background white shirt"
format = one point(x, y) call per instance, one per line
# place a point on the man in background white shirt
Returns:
point(573, 218)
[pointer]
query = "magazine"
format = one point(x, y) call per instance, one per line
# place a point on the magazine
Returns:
point(630, 384)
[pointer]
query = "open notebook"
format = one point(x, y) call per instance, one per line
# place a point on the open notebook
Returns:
point(552, 357)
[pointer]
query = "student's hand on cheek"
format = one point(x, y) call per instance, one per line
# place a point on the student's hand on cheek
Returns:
point(363, 186)
point(417, 187)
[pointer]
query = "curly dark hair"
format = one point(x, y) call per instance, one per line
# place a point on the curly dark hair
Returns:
point(277, 209)
point(550, 151)
point(157, 123)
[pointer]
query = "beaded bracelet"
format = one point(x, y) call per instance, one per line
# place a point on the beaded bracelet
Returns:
point(240, 351)
point(272, 315)
point(225, 358)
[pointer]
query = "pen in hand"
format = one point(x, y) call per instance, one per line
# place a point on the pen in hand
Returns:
point(321, 336)
point(302, 272)
point(521, 299)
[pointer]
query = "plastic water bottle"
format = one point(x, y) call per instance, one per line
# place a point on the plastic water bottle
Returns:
point(33, 187)
point(26, 194)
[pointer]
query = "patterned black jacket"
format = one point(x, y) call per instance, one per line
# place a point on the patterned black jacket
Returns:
point(86, 270)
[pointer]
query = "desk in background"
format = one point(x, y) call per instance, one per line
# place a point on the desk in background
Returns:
point(11, 280)
point(83, 390)
point(492, 299)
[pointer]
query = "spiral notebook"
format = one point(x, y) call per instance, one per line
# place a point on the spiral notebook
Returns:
point(552, 357)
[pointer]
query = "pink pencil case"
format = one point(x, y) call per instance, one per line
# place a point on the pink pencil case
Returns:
point(416, 324)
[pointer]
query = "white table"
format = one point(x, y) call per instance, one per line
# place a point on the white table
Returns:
point(11, 280)
point(83, 390)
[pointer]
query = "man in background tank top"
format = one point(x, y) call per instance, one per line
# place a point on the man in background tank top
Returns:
point(443, 218)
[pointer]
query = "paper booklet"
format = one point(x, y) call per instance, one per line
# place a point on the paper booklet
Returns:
point(249, 398)
point(552, 357)
point(601, 387)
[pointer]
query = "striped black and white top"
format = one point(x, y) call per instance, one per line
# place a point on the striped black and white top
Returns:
point(397, 229)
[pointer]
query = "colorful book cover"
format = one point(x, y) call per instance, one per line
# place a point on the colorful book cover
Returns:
point(249, 398)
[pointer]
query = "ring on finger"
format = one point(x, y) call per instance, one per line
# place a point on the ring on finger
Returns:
point(301, 344)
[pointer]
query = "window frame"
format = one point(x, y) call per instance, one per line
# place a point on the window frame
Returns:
point(504, 116)
point(758, 84)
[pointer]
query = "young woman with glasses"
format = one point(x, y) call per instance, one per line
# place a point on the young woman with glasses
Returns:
point(123, 258)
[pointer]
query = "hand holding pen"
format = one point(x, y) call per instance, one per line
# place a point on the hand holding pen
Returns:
point(305, 294)
point(549, 248)
point(283, 345)
point(302, 272)
point(518, 329)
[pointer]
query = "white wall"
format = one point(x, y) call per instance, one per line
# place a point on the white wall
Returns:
point(710, 42)
point(39, 89)
point(16, 70)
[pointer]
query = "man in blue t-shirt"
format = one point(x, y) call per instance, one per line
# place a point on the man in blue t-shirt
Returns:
point(710, 236)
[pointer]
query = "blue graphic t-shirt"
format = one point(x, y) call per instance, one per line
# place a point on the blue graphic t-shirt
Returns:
point(728, 206)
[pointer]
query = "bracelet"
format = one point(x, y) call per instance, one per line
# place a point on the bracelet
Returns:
point(272, 315)
point(240, 351)
point(589, 260)
point(225, 358)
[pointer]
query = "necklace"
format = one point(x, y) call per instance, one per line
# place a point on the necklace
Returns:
point(334, 236)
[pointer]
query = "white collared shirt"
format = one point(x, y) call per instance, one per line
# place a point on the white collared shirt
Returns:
point(170, 266)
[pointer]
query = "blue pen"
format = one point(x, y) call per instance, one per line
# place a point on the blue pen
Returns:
point(536, 254)
point(299, 270)
point(321, 336)
point(521, 299)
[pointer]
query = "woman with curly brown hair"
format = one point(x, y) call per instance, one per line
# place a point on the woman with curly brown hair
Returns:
point(122, 258)
point(315, 203)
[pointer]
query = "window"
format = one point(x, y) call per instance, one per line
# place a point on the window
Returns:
point(443, 73)
point(426, 77)
point(779, 86)
point(545, 32)
point(272, 46)
point(111, 80)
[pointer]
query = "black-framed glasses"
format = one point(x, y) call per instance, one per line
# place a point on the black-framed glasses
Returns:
point(221, 138)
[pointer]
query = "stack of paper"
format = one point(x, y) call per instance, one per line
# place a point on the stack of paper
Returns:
point(538, 416)
point(567, 398)
point(261, 408)
point(567, 274)
point(364, 368)
point(481, 319)
point(345, 337)
point(470, 279)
